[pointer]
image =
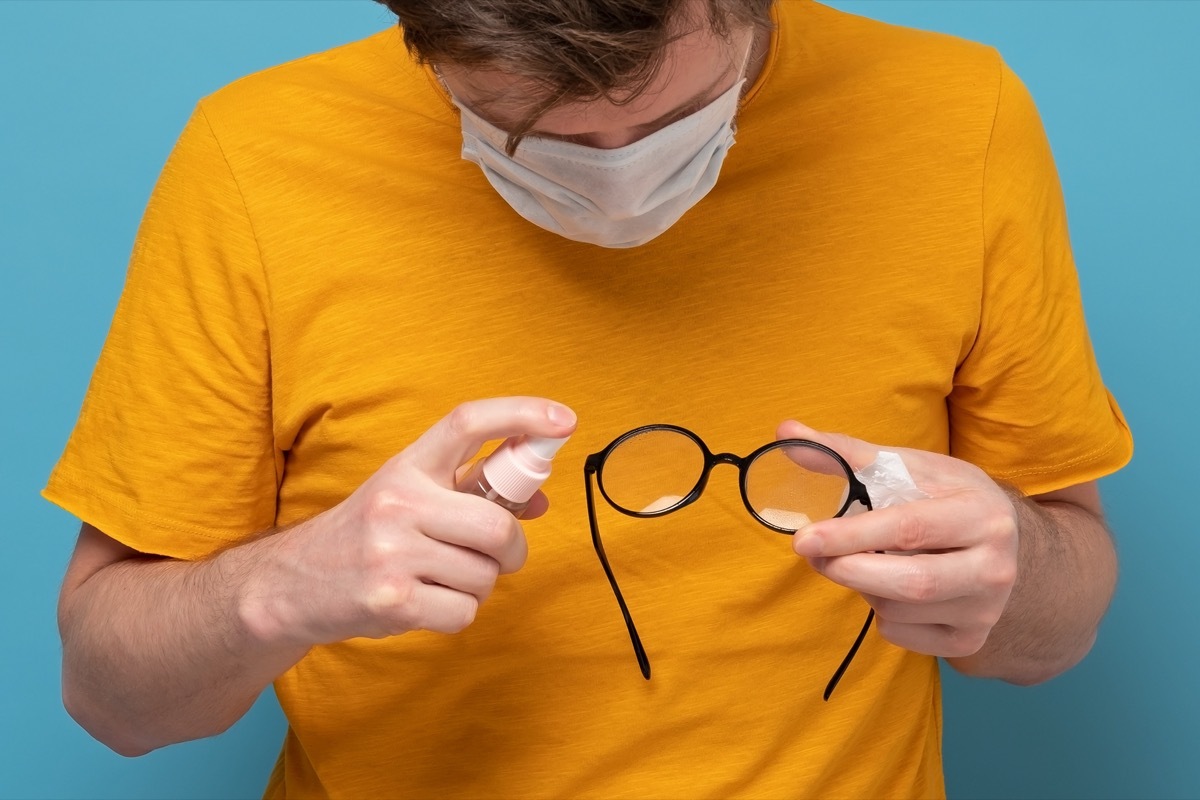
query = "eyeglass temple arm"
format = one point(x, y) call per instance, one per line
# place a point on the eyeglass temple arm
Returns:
point(841, 670)
point(638, 650)
point(858, 492)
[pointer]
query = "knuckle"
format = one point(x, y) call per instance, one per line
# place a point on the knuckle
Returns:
point(1002, 576)
point(987, 618)
point(463, 615)
point(975, 642)
point(514, 556)
point(965, 642)
point(910, 532)
point(461, 421)
point(498, 531)
point(392, 603)
point(919, 585)
point(482, 593)
point(1002, 525)
point(484, 573)
point(489, 574)
point(382, 549)
point(384, 506)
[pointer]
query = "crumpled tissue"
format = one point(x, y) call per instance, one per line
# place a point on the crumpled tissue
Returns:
point(888, 482)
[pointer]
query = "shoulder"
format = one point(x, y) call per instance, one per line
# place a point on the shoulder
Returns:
point(903, 71)
point(854, 41)
point(327, 95)
point(876, 96)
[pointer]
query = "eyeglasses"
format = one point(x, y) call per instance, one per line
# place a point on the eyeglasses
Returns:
point(657, 469)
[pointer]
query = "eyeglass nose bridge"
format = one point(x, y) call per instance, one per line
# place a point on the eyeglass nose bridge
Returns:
point(726, 458)
point(711, 460)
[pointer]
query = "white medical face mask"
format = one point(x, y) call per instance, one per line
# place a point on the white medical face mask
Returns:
point(613, 198)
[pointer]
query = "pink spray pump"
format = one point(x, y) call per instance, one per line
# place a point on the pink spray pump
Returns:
point(511, 475)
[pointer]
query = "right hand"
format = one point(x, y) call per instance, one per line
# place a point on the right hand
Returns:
point(405, 551)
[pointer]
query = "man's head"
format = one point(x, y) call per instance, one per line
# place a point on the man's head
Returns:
point(592, 71)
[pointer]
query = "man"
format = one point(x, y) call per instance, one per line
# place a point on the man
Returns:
point(519, 201)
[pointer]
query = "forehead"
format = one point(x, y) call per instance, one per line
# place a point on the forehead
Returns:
point(691, 64)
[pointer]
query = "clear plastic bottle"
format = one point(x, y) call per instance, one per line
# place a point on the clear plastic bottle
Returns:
point(511, 475)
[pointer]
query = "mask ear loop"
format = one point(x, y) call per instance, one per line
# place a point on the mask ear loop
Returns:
point(742, 79)
point(749, 52)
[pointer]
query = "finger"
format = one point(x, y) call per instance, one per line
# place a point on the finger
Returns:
point(457, 568)
point(538, 504)
point(480, 525)
point(944, 523)
point(442, 449)
point(964, 612)
point(441, 609)
point(911, 579)
point(933, 640)
point(856, 452)
point(814, 459)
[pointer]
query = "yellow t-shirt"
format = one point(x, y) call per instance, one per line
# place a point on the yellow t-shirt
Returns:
point(319, 277)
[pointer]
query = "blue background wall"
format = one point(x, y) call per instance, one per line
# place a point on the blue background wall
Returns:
point(93, 94)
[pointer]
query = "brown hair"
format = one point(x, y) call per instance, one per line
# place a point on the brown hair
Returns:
point(570, 50)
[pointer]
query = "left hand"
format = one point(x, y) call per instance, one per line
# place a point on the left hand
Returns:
point(945, 599)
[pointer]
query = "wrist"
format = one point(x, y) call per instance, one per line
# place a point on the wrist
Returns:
point(1065, 574)
point(265, 608)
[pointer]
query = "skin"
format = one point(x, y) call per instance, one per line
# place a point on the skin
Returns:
point(1004, 586)
point(158, 651)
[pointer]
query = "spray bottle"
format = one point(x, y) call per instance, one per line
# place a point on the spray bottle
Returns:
point(511, 475)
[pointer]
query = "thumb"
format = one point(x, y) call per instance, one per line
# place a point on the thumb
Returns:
point(901, 475)
point(858, 454)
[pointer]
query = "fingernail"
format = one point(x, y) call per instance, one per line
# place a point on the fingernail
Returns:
point(560, 415)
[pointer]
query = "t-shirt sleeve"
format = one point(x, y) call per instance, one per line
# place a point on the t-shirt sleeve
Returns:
point(1028, 404)
point(173, 451)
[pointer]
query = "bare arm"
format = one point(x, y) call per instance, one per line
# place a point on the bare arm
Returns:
point(157, 651)
point(1066, 575)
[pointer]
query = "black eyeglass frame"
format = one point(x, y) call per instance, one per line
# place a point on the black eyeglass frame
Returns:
point(594, 466)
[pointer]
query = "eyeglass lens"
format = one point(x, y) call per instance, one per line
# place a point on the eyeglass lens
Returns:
point(652, 471)
point(795, 485)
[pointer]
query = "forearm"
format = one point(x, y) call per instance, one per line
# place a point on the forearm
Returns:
point(157, 651)
point(1067, 572)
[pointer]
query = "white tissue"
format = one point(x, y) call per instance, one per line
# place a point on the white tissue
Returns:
point(888, 482)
